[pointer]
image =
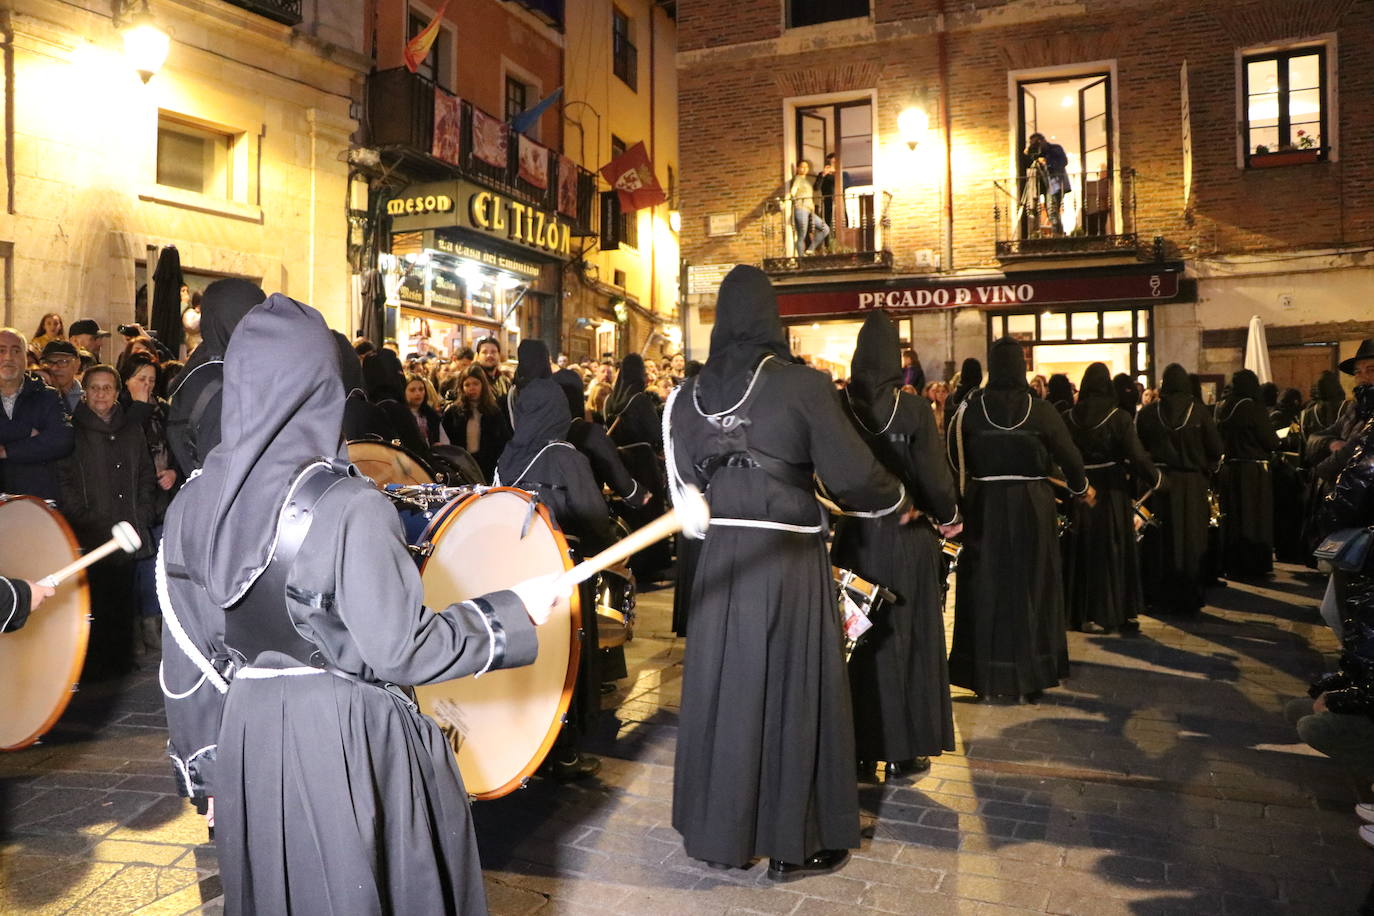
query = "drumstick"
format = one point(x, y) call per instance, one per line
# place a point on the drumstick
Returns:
point(692, 509)
point(124, 538)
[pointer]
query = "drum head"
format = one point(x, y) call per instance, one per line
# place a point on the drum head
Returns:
point(504, 722)
point(385, 463)
point(40, 663)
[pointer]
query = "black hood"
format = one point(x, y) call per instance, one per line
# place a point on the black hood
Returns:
point(1007, 366)
point(1269, 393)
point(541, 416)
point(383, 377)
point(283, 406)
point(571, 383)
point(1127, 394)
point(875, 373)
point(1291, 399)
point(747, 329)
point(1097, 395)
point(631, 380)
point(970, 377)
point(1329, 387)
point(1176, 393)
point(350, 367)
point(1060, 390)
point(1245, 384)
point(222, 306)
point(534, 361)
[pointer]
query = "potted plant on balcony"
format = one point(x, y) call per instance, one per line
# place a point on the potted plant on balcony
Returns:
point(1304, 150)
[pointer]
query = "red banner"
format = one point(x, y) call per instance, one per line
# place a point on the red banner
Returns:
point(534, 162)
point(567, 186)
point(448, 117)
point(489, 138)
point(999, 292)
point(632, 175)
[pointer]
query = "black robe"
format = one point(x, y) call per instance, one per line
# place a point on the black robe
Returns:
point(1009, 618)
point(637, 431)
point(1102, 563)
point(1178, 432)
point(1245, 489)
point(765, 751)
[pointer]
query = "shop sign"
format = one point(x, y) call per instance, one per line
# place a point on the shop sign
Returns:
point(445, 292)
point(468, 206)
point(449, 243)
point(994, 293)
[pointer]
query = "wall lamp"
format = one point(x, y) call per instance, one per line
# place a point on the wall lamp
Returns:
point(912, 125)
point(145, 45)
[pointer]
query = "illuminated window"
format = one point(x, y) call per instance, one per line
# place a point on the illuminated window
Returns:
point(195, 159)
point(1285, 102)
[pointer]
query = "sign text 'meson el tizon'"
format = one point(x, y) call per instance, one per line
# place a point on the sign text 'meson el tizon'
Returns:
point(919, 295)
point(468, 206)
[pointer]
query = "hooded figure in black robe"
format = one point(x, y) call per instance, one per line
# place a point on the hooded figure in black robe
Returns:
point(1009, 638)
point(1243, 484)
point(970, 378)
point(637, 430)
point(333, 793)
point(1178, 432)
point(898, 673)
point(361, 418)
point(1102, 565)
point(1289, 479)
point(591, 440)
point(1127, 394)
point(193, 412)
point(384, 381)
point(1059, 392)
point(765, 750)
point(533, 356)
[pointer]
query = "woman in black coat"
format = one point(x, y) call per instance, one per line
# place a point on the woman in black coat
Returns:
point(1243, 484)
point(476, 422)
point(385, 384)
point(109, 478)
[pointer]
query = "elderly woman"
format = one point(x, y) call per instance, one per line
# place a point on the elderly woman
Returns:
point(109, 478)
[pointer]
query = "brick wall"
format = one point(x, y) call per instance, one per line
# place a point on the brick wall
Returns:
point(732, 108)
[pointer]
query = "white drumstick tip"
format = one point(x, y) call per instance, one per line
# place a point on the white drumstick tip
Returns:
point(128, 538)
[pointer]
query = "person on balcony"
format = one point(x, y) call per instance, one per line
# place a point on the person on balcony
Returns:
point(1047, 165)
point(805, 201)
point(831, 181)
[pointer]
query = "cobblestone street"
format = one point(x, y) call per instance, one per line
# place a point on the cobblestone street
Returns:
point(1160, 779)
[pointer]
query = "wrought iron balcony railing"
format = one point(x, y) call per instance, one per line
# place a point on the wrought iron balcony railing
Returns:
point(287, 12)
point(819, 235)
point(401, 117)
point(1033, 218)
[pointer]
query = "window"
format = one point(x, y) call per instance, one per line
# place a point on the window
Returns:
point(617, 228)
point(814, 12)
point(623, 53)
point(438, 64)
point(195, 159)
point(836, 141)
point(1073, 114)
point(517, 97)
point(1285, 102)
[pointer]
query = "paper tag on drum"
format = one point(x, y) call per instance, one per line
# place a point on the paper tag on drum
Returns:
point(449, 717)
point(856, 622)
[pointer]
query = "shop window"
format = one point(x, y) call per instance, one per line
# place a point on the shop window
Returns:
point(517, 97)
point(1285, 108)
point(1117, 324)
point(1054, 326)
point(195, 159)
point(438, 64)
point(624, 55)
point(1084, 325)
point(814, 12)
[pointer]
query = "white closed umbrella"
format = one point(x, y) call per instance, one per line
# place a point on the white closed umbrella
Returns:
point(1257, 351)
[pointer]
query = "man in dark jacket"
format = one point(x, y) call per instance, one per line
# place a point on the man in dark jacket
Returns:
point(34, 431)
point(1051, 166)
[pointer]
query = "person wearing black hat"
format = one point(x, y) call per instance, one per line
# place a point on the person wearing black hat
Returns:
point(1244, 482)
point(1331, 449)
point(292, 609)
point(35, 431)
point(765, 751)
point(1178, 431)
point(1361, 364)
point(62, 361)
point(87, 335)
point(193, 410)
point(1102, 565)
point(898, 674)
point(1009, 638)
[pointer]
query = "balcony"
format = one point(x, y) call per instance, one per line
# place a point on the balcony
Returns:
point(550, 12)
point(1095, 219)
point(400, 121)
point(857, 219)
point(287, 12)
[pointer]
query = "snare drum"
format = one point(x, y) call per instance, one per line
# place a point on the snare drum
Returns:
point(41, 662)
point(388, 462)
point(615, 606)
point(857, 599)
point(418, 504)
point(500, 725)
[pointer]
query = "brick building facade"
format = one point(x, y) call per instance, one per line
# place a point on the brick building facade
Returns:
point(1181, 121)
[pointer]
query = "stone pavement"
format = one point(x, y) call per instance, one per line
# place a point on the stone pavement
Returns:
point(1160, 779)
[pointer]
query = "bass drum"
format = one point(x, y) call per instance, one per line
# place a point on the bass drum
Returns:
point(40, 663)
point(388, 462)
point(501, 725)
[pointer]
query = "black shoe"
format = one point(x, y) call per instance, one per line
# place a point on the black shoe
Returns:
point(1034, 696)
point(868, 770)
point(900, 769)
point(822, 863)
point(726, 866)
point(1130, 626)
point(578, 767)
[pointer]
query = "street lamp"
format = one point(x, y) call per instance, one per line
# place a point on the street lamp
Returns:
point(912, 125)
point(145, 45)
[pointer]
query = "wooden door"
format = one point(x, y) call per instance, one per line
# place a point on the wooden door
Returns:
point(1298, 367)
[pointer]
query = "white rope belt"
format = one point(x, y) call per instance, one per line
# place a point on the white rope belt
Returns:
point(1007, 477)
point(1100, 465)
point(764, 523)
point(262, 674)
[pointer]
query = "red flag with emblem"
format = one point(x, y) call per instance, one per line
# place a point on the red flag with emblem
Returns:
point(417, 49)
point(632, 176)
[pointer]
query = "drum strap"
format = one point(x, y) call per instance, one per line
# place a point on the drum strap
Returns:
point(262, 619)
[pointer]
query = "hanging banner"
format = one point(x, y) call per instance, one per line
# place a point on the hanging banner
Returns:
point(534, 162)
point(489, 138)
point(448, 118)
point(567, 186)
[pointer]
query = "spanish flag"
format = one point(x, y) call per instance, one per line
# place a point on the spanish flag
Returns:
point(417, 49)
